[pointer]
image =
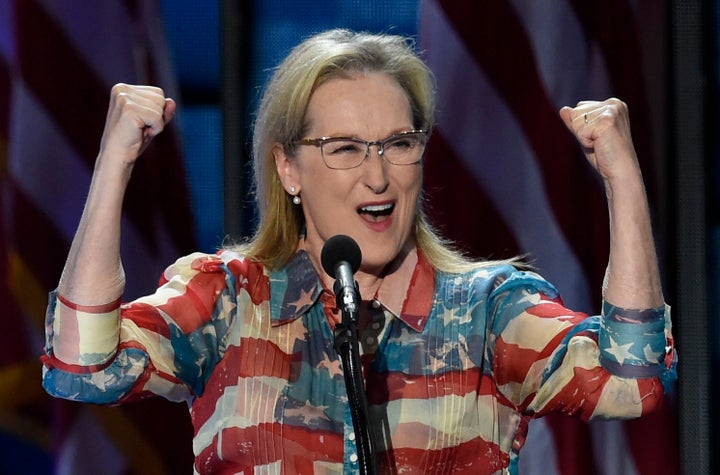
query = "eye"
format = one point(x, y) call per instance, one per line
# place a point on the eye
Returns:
point(400, 144)
point(343, 147)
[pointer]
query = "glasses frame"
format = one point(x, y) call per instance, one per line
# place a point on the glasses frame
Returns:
point(319, 142)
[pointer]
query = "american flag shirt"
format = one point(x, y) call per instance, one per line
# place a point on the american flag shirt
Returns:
point(456, 365)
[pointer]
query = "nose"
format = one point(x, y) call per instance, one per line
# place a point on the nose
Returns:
point(375, 171)
point(380, 149)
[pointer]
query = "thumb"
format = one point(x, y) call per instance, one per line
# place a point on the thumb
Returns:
point(169, 109)
point(566, 116)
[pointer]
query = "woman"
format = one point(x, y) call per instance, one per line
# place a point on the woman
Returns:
point(459, 355)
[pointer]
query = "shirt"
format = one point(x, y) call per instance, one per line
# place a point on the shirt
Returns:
point(460, 364)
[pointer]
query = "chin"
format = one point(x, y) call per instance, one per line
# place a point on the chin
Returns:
point(377, 263)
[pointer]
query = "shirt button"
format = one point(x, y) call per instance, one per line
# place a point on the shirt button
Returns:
point(353, 458)
point(375, 325)
point(375, 304)
point(351, 436)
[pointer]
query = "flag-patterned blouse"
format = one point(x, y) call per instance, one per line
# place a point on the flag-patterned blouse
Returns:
point(456, 364)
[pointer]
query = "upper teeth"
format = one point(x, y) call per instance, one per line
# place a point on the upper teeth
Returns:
point(376, 208)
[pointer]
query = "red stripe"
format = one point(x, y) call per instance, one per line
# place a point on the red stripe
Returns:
point(296, 447)
point(475, 456)
point(651, 395)
point(255, 282)
point(147, 317)
point(259, 357)
point(473, 222)
point(105, 308)
point(52, 362)
point(516, 366)
point(512, 363)
point(569, 181)
point(195, 306)
point(253, 358)
point(419, 299)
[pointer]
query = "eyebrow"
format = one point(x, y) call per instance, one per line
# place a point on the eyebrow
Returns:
point(352, 136)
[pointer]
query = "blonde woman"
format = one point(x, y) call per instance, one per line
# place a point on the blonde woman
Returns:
point(458, 355)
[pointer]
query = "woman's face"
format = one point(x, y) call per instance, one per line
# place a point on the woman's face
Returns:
point(374, 203)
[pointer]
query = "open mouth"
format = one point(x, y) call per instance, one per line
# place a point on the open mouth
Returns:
point(376, 213)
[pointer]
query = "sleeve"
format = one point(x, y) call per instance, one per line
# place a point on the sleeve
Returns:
point(546, 358)
point(164, 344)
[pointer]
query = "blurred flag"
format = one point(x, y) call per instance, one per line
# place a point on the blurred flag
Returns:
point(58, 61)
point(505, 177)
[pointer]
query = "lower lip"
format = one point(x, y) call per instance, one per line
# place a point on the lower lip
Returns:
point(378, 226)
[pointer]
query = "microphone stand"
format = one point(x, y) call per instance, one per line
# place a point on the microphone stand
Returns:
point(346, 345)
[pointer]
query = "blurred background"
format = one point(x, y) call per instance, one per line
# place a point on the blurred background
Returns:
point(503, 177)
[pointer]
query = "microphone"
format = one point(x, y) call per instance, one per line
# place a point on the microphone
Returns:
point(340, 258)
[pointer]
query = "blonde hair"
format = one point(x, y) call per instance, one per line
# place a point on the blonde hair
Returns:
point(281, 119)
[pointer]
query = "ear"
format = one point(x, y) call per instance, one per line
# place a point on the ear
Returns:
point(286, 168)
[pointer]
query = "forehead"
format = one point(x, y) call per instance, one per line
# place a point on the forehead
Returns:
point(368, 103)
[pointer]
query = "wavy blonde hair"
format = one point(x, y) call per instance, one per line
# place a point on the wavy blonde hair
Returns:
point(281, 119)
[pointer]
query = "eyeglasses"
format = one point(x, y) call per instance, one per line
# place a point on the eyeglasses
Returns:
point(343, 153)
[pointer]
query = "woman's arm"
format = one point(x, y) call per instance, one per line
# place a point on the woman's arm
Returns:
point(597, 367)
point(93, 273)
point(632, 279)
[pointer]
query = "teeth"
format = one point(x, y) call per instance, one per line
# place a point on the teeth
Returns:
point(376, 208)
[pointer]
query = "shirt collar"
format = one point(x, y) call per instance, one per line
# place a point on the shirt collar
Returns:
point(407, 292)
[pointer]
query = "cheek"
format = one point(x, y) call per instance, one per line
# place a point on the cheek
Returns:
point(411, 186)
point(324, 193)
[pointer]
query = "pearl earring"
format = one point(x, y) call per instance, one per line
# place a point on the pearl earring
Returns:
point(296, 199)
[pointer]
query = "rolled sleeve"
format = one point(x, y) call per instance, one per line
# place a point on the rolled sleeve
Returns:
point(82, 335)
point(636, 343)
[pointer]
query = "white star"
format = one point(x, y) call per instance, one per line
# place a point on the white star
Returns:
point(333, 367)
point(620, 352)
point(651, 355)
point(304, 300)
point(308, 412)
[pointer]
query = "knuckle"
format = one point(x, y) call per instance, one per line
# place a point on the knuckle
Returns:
point(119, 88)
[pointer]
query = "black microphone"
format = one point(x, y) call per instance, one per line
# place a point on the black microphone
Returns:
point(340, 258)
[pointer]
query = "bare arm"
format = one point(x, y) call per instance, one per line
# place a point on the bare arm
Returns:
point(632, 279)
point(93, 273)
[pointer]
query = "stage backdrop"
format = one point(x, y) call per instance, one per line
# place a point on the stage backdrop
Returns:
point(58, 61)
point(503, 177)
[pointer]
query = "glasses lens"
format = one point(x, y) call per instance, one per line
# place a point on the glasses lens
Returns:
point(343, 153)
point(404, 149)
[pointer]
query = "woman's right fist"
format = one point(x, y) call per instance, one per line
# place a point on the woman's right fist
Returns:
point(136, 114)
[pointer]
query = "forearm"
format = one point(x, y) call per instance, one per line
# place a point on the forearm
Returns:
point(632, 278)
point(93, 273)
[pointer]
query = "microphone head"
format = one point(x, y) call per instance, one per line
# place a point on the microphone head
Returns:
point(337, 249)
